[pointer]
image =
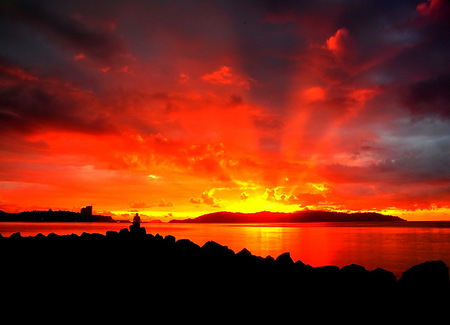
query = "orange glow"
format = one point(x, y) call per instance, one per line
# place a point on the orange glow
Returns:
point(313, 94)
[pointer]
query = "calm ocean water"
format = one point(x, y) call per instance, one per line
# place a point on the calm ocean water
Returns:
point(390, 245)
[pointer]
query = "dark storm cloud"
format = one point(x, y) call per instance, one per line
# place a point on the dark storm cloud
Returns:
point(266, 49)
point(29, 105)
point(276, 43)
point(279, 42)
point(419, 158)
point(92, 40)
point(430, 97)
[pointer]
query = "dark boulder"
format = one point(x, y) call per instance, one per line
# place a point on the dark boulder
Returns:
point(382, 277)
point(284, 259)
point(431, 273)
point(269, 259)
point(245, 256)
point(186, 246)
point(244, 253)
point(112, 234)
point(249, 262)
point(124, 232)
point(425, 285)
point(16, 235)
point(325, 275)
point(93, 236)
point(169, 240)
point(299, 264)
point(39, 236)
point(354, 269)
point(354, 279)
point(326, 270)
point(54, 236)
point(354, 273)
point(217, 251)
point(302, 267)
point(137, 231)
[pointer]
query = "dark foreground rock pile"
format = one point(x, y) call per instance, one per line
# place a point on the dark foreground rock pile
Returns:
point(136, 270)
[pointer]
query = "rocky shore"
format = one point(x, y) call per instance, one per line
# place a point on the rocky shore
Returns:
point(145, 270)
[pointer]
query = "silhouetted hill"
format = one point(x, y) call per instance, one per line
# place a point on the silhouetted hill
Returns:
point(53, 216)
point(300, 216)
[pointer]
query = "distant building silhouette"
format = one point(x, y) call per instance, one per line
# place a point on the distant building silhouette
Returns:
point(86, 210)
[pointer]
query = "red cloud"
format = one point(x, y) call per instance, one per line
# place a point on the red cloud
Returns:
point(341, 44)
point(223, 76)
point(313, 93)
point(436, 10)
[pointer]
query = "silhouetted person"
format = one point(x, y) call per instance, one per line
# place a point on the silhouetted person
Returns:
point(136, 228)
point(137, 221)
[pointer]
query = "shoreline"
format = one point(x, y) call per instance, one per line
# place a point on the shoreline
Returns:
point(435, 268)
point(92, 273)
point(300, 243)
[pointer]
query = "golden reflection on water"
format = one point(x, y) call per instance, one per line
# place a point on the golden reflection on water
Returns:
point(310, 244)
point(393, 246)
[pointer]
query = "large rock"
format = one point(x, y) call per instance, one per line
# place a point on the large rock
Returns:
point(431, 273)
point(186, 246)
point(354, 275)
point(216, 251)
point(284, 259)
point(382, 277)
point(246, 258)
point(16, 235)
point(244, 253)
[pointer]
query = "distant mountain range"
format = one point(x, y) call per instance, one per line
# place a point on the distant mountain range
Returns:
point(300, 216)
point(53, 216)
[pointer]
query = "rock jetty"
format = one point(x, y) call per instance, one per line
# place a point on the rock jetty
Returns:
point(75, 272)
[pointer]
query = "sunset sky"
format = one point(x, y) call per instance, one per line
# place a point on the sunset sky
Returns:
point(177, 108)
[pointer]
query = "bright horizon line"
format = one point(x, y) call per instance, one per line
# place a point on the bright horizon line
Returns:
point(438, 214)
point(418, 215)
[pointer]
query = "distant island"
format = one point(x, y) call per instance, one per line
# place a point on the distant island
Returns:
point(85, 215)
point(299, 216)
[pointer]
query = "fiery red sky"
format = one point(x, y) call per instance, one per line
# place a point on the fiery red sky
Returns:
point(177, 108)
